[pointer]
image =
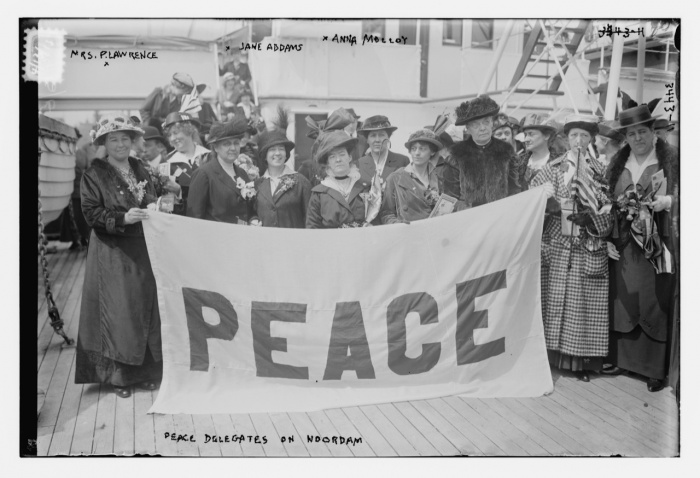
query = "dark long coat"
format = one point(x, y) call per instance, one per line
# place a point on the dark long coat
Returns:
point(119, 311)
point(214, 196)
point(640, 297)
point(285, 209)
point(404, 198)
point(477, 175)
point(368, 167)
point(329, 210)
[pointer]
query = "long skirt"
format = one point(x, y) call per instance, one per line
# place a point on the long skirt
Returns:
point(119, 331)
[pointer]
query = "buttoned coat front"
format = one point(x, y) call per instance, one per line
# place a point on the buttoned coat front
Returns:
point(286, 208)
point(328, 209)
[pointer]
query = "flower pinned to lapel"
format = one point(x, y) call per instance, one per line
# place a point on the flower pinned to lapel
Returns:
point(287, 182)
point(247, 189)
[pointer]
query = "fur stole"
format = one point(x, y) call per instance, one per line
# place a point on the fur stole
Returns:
point(668, 160)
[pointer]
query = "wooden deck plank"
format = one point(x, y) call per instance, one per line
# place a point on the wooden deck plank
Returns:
point(124, 427)
point(547, 436)
point(506, 426)
point(183, 425)
point(264, 427)
point(398, 442)
point(463, 445)
point(243, 425)
point(503, 441)
point(203, 425)
point(637, 408)
point(43, 440)
point(305, 427)
point(293, 442)
point(603, 419)
point(144, 426)
point(662, 402)
point(67, 416)
point(326, 428)
point(414, 436)
point(85, 425)
point(347, 430)
point(103, 443)
point(644, 431)
point(431, 433)
point(369, 432)
point(224, 428)
point(595, 436)
point(483, 443)
point(55, 390)
point(162, 425)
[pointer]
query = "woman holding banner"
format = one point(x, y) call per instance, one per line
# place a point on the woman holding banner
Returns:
point(119, 337)
point(339, 201)
point(412, 192)
point(575, 297)
point(282, 193)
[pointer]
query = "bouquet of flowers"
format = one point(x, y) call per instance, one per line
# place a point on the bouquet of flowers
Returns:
point(247, 189)
point(246, 164)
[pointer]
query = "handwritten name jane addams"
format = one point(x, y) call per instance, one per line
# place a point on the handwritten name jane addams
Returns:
point(280, 47)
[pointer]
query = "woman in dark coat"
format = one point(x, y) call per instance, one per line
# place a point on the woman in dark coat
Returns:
point(220, 190)
point(412, 192)
point(119, 337)
point(282, 193)
point(641, 285)
point(338, 201)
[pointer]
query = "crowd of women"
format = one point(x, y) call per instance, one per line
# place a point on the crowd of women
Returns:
point(608, 244)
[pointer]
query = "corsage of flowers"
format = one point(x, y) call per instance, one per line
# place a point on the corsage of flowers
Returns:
point(247, 189)
point(354, 224)
point(246, 164)
point(139, 191)
point(431, 196)
point(287, 182)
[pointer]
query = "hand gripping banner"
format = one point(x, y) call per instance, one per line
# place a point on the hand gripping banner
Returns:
point(285, 320)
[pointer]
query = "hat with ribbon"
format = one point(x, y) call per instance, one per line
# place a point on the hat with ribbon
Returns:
point(268, 139)
point(151, 132)
point(338, 119)
point(634, 116)
point(327, 141)
point(376, 123)
point(539, 122)
point(585, 122)
point(479, 107)
point(234, 129)
point(178, 117)
point(425, 135)
point(111, 124)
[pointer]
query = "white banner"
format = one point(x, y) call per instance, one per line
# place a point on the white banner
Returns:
point(287, 320)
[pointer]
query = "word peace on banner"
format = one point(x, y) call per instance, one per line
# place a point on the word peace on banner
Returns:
point(274, 320)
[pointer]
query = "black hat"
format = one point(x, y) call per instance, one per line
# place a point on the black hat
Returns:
point(663, 123)
point(268, 139)
point(605, 130)
point(585, 122)
point(152, 133)
point(376, 123)
point(479, 107)
point(327, 141)
point(634, 116)
point(177, 117)
point(233, 129)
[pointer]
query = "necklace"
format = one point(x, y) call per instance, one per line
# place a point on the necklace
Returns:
point(344, 190)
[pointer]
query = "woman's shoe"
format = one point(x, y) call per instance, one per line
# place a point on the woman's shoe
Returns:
point(614, 370)
point(148, 385)
point(654, 385)
point(583, 376)
point(122, 392)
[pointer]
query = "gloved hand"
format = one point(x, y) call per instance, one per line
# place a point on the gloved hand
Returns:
point(581, 219)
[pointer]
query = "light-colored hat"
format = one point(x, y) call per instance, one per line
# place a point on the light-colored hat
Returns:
point(113, 123)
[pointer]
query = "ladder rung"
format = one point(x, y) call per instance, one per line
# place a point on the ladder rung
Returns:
point(541, 92)
point(541, 76)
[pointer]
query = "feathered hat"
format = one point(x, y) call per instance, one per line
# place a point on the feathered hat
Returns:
point(479, 107)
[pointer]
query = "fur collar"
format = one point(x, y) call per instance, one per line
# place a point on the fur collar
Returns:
point(469, 151)
point(667, 156)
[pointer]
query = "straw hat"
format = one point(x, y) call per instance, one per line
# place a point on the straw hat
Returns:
point(110, 124)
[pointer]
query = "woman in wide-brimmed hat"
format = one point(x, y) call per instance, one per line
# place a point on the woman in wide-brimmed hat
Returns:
point(221, 189)
point(642, 249)
point(378, 130)
point(119, 335)
point(282, 193)
point(412, 192)
point(480, 169)
point(540, 133)
point(337, 200)
point(575, 293)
